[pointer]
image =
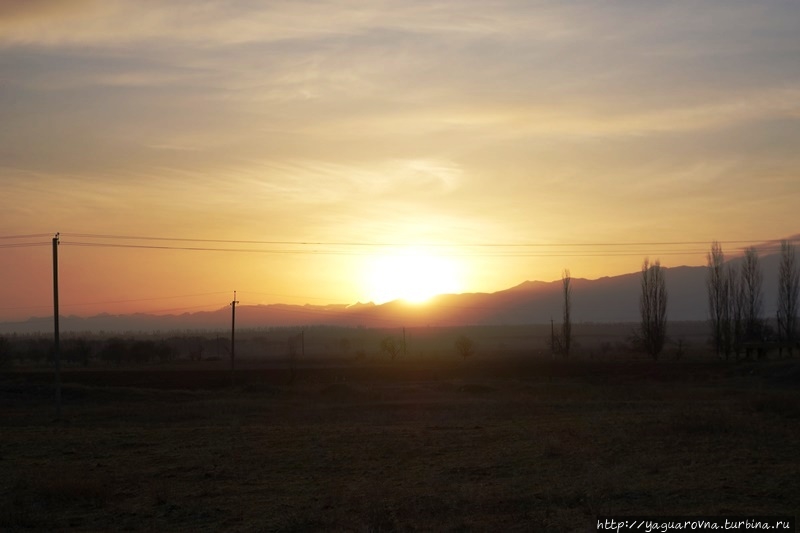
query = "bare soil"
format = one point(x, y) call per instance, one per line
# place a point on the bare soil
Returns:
point(476, 445)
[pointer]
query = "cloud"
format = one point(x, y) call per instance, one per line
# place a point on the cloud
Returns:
point(402, 104)
point(83, 22)
point(13, 11)
point(317, 182)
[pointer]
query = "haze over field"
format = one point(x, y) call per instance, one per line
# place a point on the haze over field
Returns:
point(331, 152)
point(608, 300)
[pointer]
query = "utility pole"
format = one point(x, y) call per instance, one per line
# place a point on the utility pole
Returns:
point(57, 343)
point(405, 352)
point(233, 333)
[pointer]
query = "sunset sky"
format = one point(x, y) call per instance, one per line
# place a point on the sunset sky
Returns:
point(333, 152)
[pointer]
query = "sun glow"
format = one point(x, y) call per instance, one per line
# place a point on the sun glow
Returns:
point(412, 275)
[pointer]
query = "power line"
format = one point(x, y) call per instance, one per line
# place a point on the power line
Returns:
point(358, 248)
point(134, 300)
point(209, 249)
point(514, 252)
point(419, 244)
point(210, 306)
point(23, 244)
point(28, 236)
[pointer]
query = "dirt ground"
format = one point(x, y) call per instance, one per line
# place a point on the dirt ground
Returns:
point(474, 445)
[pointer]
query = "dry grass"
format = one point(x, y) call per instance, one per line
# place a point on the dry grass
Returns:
point(399, 449)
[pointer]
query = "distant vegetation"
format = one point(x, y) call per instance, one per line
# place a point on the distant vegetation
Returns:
point(735, 304)
point(653, 308)
point(286, 348)
point(464, 346)
point(736, 327)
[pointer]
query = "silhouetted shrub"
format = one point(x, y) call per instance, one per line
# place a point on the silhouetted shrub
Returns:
point(391, 346)
point(464, 346)
point(115, 351)
point(36, 349)
point(77, 351)
point(164, 351)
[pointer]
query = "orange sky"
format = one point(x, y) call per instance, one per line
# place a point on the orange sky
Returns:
point(406, 140)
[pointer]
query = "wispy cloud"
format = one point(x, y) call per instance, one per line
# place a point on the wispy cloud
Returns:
point(82, 22)
point(515, 115)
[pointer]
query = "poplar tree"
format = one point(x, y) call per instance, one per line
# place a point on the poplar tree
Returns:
point(788, 291)
point(752, 282)
point(566, 326)
point(717, 283)
point(653, 308)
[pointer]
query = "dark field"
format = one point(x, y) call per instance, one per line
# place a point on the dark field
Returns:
point(475, 445)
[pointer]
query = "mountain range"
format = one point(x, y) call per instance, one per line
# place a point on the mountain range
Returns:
point(605, 300)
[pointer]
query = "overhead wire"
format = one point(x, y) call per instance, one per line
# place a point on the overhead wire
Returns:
point(24, 244)
point(152, 299)
point(208, 249)
point(515, 253)
point(361, 248)
point(26, 236)
point(493, 253)
point(113, 302)
point(406, 244)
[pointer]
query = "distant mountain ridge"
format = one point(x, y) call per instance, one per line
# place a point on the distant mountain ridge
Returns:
point(604, 300)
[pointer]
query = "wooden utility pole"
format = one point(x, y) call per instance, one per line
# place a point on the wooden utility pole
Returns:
point(233, 335)
point(57, 343)
point(405, 352)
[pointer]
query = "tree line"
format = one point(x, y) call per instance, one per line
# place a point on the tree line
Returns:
point(651, 334)
point(83, 350)
point(735, 303)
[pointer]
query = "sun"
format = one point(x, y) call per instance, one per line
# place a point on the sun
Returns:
point(411, 275)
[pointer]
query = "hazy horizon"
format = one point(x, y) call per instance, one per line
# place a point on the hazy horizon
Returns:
point(158, 305)
point(608, 299)
point(330, 152)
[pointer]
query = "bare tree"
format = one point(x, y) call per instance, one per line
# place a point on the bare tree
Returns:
point(752, 281)
point(566, 326)
point(464, 346)
point(393, 347)
point(653, 308)
point(718, 297)
point(735, 332)
point(788, 291)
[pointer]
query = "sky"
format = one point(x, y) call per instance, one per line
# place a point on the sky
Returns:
point(337, 151)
